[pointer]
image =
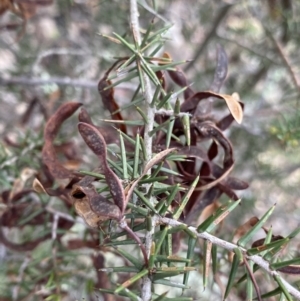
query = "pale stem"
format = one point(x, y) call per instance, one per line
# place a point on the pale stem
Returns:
point(265, 265)
point(150, 113)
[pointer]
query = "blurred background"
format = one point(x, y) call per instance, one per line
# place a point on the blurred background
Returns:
point(56, 51)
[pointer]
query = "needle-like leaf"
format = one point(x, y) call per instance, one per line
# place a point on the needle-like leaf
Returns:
point(244, 239)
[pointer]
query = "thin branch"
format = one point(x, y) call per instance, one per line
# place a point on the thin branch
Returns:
point(60, 81)
point(265, 265)
point(56, 51)
point(54, 227)
point(171, 113)
point(19, 279)
point(249, 49)
point(54, 246)
point(219, 18)
point(253, 280)
point(59, 214)
point(150, 114)
point(148, 94)
point(145, 5)
point(285, 60)
point(253, 79)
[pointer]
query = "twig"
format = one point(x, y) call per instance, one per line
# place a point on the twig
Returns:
point(150, 113)
point(59, 214)
point(252, 80)
point(56, 51)
point(171, 113)
point(54, 247)
point(285, 60)
point(148, 94)
point(54, 227)
point(20, 278)
point(144, 4)
point(250, 50)
point(253, 280)
point(219, 18)
point(60, 81)
point(230, 247)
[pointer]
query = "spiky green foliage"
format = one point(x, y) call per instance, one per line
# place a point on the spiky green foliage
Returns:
point(165, 193)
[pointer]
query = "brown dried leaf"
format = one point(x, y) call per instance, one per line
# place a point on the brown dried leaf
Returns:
point(192, 152)
point(233, 104)
point(84, 116)
point(230, 183)
point(209, 130)
point(157, 158)
point(56, 169)
point(162, 79)
point(103, 207)
point(212, 153)
point(229, 192)
point(96, 143)
point(107, 95)
point(53, 125)
point(215, 182)
point(184, 171)
point(51, 129)
point(291, 269)
point(74, 244)
point(191, 103)
point(260, 242)
point(61, 191)
point(242, 230)
point(69, 150)
point(109, 133)
point(94, 140)
point(179, 78)
point(38, 187)
point(225, 122)
point(82, 197)
point(19, 183)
